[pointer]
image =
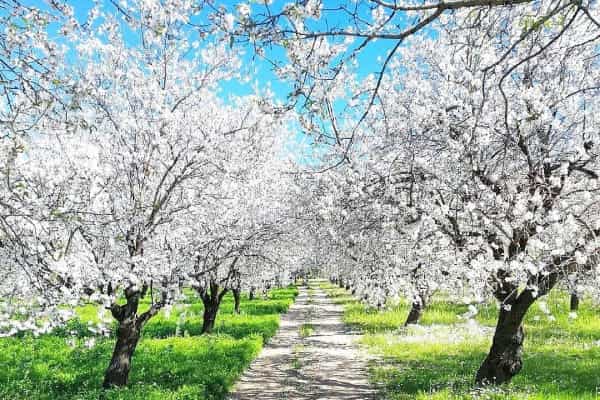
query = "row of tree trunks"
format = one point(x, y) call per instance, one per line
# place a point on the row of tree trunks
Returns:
point(503, 361)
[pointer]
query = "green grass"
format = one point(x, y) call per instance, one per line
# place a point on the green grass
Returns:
point(438, 359)
point(164, 366)
point(306, 330)
point(296, 356)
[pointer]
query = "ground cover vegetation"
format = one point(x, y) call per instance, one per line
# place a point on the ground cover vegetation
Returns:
point(414, 149)
point(173, 360)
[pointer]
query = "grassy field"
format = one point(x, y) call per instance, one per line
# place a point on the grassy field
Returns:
point(69, 364)
point(439, 358)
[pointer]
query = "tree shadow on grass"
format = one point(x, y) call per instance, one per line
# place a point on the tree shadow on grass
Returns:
point(164, 367)
point(548, 373)
point(174, 368)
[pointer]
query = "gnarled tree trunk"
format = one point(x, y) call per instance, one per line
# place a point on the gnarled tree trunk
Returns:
point(128, 336)
point(211, 298)
point(129, 332)
point(504, 359)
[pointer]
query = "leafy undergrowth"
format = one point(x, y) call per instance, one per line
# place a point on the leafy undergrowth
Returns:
point(438, 359)
point(165, 366)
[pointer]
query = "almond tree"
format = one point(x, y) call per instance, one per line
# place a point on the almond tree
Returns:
point(30, 65)
point(242, 223)
point(140, 135)
point(502, 141)
point(325, 43)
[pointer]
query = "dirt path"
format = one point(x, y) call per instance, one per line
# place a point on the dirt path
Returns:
point(313, 356)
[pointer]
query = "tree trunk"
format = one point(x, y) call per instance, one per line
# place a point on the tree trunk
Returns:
point(416, 310)
point(574, 306)
point(251, 294)
point(209, 317)
point(341, 283)
point(211, 298)
point(128, 336)
point(129, 331)
point(237, 300)
point(505, 357)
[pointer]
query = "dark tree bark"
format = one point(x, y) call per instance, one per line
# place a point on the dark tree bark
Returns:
point(129, 332)
point(421, 298)
point(504, 359)
point(416, 311)
point(237, 296)
point(252, 293)
point(211, 298)
point(574, 304)
point(128, 336)
point(341, 283)
point(209, 317)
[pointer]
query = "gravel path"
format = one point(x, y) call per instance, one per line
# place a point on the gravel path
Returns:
point(313, 356)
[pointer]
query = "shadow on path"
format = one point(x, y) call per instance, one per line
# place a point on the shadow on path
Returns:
point(326, 365)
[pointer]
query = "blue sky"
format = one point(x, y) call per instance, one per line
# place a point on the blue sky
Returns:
point(369, 59)
point(261, 71)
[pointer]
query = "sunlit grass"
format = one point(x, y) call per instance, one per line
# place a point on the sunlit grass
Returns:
point(438, 359)
point(60, 366)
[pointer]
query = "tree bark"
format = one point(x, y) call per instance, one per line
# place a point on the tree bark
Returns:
point(416, 310)
point(211, 298)
point(128, 336)
point(209, 317)
point(237, 300)
point(504, 359)
point(129, 332)
point(574, 304)
point(252, 293)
